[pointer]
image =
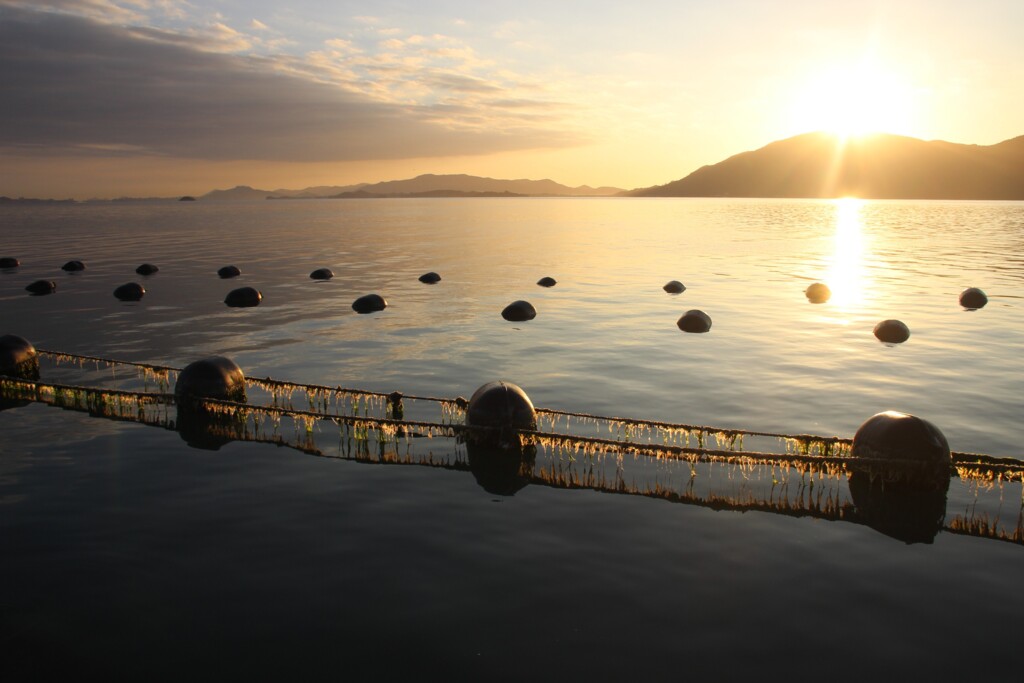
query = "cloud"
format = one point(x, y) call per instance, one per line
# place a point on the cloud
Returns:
point(72, 84)
point(225, 38)
point(104, 10)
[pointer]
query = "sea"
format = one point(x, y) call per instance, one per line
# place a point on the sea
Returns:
point(303, 547)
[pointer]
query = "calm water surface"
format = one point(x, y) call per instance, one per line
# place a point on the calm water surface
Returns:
point(130, 554)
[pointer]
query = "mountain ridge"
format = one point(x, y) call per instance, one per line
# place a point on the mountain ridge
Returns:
point(878, 166)
point(427, 184)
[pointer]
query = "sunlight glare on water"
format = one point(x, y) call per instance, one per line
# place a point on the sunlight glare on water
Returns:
point(847, 275)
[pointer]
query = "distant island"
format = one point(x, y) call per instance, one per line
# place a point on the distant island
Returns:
point(31, 200)
point(363, 194)
point(881, 166)
point(428, 185)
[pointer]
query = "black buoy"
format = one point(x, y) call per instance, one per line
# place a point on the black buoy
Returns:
point(18, 358)
point(547, 282)
point(674, 287)
point(321, 274)
point(894, 435)
point(42, 287)
point(973, 298)
point(8, 262)
point(73, 266)
point(243, 297)
point(370, 303)
point(502, 406)
point(519, 311)
point(818, 293)
point(229, 272)
point(130, 291)
point(694, 321)
point(892, 331)
point(146, 269)
point(902, 450)
point(214, 377)
point(430, 278)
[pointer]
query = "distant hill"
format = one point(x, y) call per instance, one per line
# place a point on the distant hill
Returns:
point(363, 194)
point(873, 167)
point(244, 192)
point(428, 185)
point(33, 200)
point(473, 184)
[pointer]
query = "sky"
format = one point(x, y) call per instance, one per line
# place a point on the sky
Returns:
point(112, 98)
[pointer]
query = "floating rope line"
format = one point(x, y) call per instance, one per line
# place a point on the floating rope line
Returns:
point(316, 393)
point(823, 502)
point(60, 356)
point(1003, 469)
point(79, 358)
point(829, 453)
point(674, 426)
point(386, 425)
point(799, 443)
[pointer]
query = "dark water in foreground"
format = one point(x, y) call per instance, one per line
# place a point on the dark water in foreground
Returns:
point(130, 555)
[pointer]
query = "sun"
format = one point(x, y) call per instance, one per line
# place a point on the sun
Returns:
point(855, 100)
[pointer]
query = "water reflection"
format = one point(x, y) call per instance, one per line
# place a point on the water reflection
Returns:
point(910, 514)
point(501, 470)
point(206, 431)
point(847, 275)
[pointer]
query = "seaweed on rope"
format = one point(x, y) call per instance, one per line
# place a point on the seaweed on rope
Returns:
point(360, 411)
point(599, 463)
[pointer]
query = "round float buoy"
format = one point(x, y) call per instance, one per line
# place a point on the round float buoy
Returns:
point(8, 262)
point(18, 358)
point(502, 405)
point(146, 269)
point(674, 287)
point(894, 435)
point(519, 311)
point(321, 274)
point(370, 303)
point(892, 331)
point(694, 321)
point(214, 377)
point(973, 298)
point(130, 291)
point(547, 282)
point(229, 272)
point(430, 278)
point(73, 266)
point(818, 293)
point(902, 450)
point(42, 287)
point(243, 297)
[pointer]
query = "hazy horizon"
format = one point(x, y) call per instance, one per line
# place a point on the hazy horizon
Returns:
point(108, 98)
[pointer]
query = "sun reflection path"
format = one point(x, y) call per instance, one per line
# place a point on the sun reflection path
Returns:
point(847, 275)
